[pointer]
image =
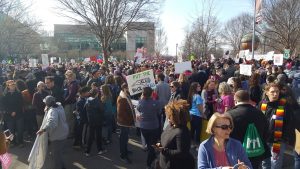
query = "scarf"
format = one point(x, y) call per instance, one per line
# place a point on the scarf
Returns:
point(278, 124)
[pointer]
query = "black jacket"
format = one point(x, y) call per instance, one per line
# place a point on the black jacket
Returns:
point(176, 153)
point(245, 114)
point(95, 111)
point(288, 129)
point(13, 102)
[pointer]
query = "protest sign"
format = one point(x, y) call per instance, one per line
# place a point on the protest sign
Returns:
point(33, 62)
point(243, 53)
point(52, 59)
point(278, 59)
point(138, 81)
point(259, 57)
point(269, 55)
point(245, 69)
point(45, 60)
point(183, 66)
point(286, 53)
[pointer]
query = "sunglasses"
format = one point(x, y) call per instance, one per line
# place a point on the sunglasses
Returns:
point(225, 127)
point(171, 86)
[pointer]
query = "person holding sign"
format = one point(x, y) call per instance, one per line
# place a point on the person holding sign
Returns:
point(220, 150)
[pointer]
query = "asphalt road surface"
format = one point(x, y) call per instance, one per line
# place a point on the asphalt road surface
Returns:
point(75, 159)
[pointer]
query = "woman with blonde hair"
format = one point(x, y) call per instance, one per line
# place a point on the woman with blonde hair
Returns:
point(106, 99)
point(226, 100)
point(221, 151)
point(175, 140)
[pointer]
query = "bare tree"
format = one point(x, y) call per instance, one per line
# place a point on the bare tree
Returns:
point(108, 19)
point(160, 41)
point(235, 29)
point(204, 31)
point(18, 31)
point(283, 24)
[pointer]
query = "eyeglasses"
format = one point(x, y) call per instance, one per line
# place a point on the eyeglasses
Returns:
point(225, 127)
point(171, 86)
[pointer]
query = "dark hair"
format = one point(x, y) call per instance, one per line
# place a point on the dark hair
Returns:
point(270, 79)
point(242, 96)
point(254, 80)
point(84, 90)
point(175, 84)
point(21, 85)
point(161, 76)
point(51, 78)
point(192, 91)
point(124, 86)
point(147, 92)
point(110, 79)
point(93, 92)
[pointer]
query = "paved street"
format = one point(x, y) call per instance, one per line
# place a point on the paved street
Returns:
point(77, 160)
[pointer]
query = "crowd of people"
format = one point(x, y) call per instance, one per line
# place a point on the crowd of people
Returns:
point(90, 101)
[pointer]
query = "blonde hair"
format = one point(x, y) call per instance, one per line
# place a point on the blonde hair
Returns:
point(70, 73)
point(106, 94)
point(182, 78)
point(224, 88)
point(214, 118)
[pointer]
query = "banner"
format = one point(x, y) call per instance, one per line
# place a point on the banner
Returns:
point(278, 59)
point(45, 60)
point(258, 11)
point(245, 69)
point(138, 81)
point(33, 62)
point(286, 53)
point(52, 59)
point(183, 66)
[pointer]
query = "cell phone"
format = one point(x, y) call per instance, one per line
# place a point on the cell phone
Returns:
point(237, 166)
point(7, 133)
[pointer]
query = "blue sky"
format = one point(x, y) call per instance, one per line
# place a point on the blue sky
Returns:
point(176, 15)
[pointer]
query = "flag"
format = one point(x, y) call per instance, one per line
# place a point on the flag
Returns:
point(258, 11)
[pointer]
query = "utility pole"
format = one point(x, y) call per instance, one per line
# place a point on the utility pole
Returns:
point(176, 52)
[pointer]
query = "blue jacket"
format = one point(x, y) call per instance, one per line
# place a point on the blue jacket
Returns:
point(234, 151)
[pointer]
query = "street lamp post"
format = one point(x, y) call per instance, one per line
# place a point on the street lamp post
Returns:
point(176, 52)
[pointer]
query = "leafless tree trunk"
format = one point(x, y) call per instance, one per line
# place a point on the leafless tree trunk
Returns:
point(108, 19)
point(161, 40)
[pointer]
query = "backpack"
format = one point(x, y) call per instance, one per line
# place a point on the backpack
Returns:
point(252, 143)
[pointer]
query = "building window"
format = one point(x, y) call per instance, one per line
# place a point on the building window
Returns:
point(140, 42)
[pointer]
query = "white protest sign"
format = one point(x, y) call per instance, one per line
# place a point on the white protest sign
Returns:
point(138, 81)
point(72, 61)
point(245, 69)
point(248, 55)
point(32, 62)
point(52, 59)
point(59, 60)
point(45, 60)
point(183, 66)
point(259, 57)
point(269, 55)
point(137, 113)
point(278, 59)
point(212, 58)
point(244, 53)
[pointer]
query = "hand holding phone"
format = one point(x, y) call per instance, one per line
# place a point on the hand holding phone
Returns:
point(8, 135)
